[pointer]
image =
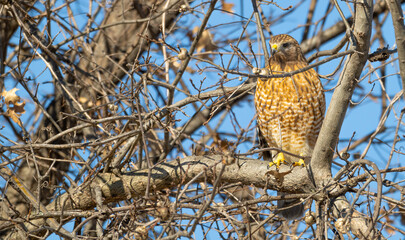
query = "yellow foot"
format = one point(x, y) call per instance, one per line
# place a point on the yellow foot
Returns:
point(301, 162)
point(278, 161)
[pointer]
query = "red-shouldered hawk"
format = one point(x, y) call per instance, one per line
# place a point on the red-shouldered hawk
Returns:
point(290, 110)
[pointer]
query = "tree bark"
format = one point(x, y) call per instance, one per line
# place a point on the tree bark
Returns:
point(398, 22)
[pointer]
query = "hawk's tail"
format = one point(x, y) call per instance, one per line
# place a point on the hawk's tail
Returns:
point(292, 209)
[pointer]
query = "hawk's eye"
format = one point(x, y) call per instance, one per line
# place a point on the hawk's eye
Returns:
point(286, 45)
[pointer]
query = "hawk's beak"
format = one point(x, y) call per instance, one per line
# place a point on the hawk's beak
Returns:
point(274, 48)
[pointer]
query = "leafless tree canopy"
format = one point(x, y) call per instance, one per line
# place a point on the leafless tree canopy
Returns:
point(135, 119)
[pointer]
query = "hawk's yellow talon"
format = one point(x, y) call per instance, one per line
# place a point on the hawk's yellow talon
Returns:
point(278, 161)
point(301, 162)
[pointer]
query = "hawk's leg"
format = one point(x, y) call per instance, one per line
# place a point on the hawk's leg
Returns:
point(301, 162)
point(278, 161)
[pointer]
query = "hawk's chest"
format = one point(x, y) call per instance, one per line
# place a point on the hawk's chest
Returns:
point(290, 109)
point(286, 91)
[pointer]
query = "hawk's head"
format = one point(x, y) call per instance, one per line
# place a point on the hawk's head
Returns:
point(285, 48)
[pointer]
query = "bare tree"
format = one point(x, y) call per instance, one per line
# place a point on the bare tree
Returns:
point(134, 119)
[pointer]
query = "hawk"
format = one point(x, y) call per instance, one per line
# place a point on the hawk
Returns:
point(289, 110)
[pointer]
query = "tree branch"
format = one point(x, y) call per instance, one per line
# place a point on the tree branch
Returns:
point(168, 175)
point(194, 169)
point(398, 22)
point(324, 148)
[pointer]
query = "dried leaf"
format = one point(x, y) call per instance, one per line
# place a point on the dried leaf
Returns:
point(205, 41)
point(83, 100)
point(10, 97)
point(86, 102)
point(14, 108)
point(15, 112)
point(18, 108)
point(227, 6)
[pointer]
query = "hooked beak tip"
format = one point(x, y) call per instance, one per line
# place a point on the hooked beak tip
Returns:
point(274, 48)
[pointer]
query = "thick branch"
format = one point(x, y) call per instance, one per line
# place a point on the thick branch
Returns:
point(195, 169)
point(192, 169)
point(398, 22)
point(324, 149)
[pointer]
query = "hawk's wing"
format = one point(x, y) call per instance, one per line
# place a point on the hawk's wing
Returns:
point(263, 144)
